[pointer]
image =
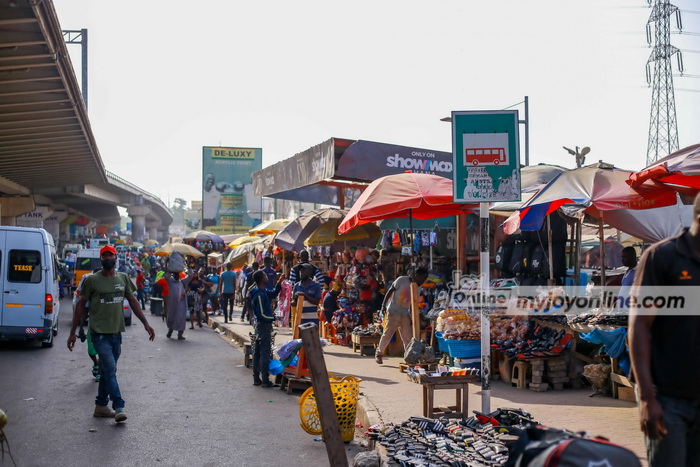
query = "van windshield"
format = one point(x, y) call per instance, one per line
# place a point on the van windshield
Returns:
point(88, 264)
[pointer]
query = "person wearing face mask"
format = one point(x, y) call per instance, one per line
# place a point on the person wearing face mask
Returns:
point(106, 291)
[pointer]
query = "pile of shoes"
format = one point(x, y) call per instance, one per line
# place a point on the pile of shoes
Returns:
point(554, 319)
point(538, 341)
point(601, 319)
point(370, 330)
point(440, 442)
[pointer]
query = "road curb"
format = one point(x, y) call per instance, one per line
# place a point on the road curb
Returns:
point(230, 333)
point(368, 414)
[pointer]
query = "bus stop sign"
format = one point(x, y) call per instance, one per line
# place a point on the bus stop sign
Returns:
point(485, 156)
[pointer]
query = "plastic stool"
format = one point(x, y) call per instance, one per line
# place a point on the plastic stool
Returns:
point(519, 375)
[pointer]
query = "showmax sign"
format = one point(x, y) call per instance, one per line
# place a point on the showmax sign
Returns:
point(485, 156)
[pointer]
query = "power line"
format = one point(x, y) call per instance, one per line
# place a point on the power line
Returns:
point(685, 33)
point(513, 105)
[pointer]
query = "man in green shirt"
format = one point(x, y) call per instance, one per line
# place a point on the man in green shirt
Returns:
point(106, 291)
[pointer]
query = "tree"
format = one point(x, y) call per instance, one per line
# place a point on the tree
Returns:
point(179, 207)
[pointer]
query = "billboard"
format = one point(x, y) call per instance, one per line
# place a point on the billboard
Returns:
point(228, 202)
point(485, 156)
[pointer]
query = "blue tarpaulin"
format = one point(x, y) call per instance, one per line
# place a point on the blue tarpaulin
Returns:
point(614, 344)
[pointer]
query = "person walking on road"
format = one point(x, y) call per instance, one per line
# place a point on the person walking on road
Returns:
point(398, 313)
point(194, 299)
point(228, 290)
point(140, 279)
point(249, 282)
point(175, 302)
point(204, 294)
point(214, 291)
point(259, 297)
point(106, 292)
point(665, 349)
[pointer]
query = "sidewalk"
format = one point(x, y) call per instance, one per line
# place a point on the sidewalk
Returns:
point(396, 398)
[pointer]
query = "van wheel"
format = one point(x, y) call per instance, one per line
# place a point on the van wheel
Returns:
point(127, 321)
point(55, 330)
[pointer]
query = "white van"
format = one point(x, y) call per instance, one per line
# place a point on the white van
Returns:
point(98, 242)
point(29, 302)
point(71, 248)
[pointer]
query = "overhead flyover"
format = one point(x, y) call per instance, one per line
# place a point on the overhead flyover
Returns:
point(48, 153)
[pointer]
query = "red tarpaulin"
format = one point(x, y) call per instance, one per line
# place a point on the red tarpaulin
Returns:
point(680, 169)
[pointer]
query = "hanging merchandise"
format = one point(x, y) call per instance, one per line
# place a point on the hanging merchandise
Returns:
point(425, 239)
point(406, 251)
point(417, 243)
point(433, 238)
point(396, 239)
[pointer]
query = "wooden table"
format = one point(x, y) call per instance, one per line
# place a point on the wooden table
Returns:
point(460, 384)
point(361, 341)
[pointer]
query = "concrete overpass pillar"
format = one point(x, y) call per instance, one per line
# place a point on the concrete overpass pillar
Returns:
point(163, 234)
point(52, 224)
point(64, 232)
point(13, 206)
point(138, 221)
point(152, 228)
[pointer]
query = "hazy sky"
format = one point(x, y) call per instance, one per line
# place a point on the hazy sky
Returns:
point(168, 77)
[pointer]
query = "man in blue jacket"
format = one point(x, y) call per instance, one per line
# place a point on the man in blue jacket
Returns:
point(259, 298)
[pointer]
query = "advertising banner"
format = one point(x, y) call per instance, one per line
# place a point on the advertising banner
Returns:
point(228, 202)
point(367, 160)
point(34, 218)
point(303, 169)
point(485, 156)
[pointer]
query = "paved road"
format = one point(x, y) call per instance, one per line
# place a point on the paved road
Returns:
point(189, 403)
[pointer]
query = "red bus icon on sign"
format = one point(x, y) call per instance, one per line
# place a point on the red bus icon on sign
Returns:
point(485, 156)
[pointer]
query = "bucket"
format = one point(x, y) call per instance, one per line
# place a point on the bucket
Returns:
point(464, 348)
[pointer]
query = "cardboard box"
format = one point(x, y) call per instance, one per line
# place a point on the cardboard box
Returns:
point(626, 394)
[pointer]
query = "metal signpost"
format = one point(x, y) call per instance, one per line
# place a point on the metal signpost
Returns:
point(485, 169)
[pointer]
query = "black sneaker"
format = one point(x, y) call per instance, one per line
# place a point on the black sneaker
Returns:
point(257, 383)
point(268, 384)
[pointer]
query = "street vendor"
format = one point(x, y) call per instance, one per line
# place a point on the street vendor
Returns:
point(398, 312)
point(311, 293)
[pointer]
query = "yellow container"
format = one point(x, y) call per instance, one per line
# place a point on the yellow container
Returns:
point(345, 392)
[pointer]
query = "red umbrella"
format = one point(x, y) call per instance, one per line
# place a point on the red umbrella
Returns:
point(681, 170)
point(412, 195)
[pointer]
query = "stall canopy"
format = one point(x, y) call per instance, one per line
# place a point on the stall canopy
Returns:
point(337, 170)
point(680, 170)
point(595, 188)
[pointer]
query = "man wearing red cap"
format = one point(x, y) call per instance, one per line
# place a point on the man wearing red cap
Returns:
point(106, 291)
